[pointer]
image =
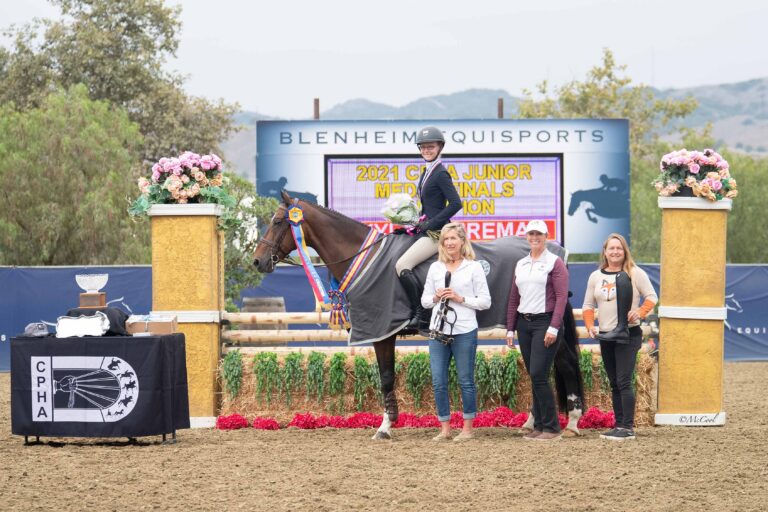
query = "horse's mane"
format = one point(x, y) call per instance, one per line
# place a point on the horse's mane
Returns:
point(333, 213)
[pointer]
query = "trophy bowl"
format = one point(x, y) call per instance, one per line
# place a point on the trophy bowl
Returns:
point(91, 283)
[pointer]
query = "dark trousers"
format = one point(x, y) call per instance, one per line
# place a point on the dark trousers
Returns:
point(619, 360)
point(538, 361)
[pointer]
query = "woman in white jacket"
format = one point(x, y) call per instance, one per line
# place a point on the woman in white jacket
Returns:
point(456, 284)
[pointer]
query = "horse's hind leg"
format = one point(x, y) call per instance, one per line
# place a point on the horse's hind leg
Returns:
point(568, 380)
point(385, 357)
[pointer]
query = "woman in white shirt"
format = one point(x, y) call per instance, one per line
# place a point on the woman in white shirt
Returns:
point(537, 299)
point(455, 335)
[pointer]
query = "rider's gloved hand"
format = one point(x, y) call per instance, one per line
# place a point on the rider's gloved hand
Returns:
point(422, 226)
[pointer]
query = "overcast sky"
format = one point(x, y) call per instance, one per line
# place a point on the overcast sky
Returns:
point(275, 57)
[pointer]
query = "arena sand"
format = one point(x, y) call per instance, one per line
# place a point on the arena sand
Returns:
point(675, 469)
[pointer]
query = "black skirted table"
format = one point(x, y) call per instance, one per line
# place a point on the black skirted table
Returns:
point(116, 386)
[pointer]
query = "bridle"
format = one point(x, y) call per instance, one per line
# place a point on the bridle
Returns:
point(275, 251)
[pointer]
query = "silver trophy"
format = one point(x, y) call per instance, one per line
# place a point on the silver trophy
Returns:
point(91, 284)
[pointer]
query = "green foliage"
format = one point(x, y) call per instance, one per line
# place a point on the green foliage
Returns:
point(482, 378)
point(337, 377)
point(118, 51)
point(267, 372)
point(607, 94)
point(511, 377)
point(375, 378)
point(496, 370)
point(293, 375)
point(585, 363)
point(362, 374)
point(315, 381)
point(66, 169)
point(634, 372)
point(417, 375)
point(240, 238)
point(605, 384)
point(232, 372)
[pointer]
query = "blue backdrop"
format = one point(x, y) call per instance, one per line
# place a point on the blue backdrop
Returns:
point(31, 294)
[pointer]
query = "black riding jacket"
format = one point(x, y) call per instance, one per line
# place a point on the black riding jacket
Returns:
point(435, 193)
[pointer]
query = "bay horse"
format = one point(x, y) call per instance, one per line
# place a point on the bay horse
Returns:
point(337, 239)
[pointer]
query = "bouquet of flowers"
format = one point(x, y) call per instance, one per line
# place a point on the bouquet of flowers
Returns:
point(401, 209)
point(188, 178)
point(705, 172)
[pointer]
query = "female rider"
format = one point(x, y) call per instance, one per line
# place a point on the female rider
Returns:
point(439, 202)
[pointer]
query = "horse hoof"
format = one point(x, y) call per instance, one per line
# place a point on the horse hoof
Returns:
point(381, 436)
point(571, 433)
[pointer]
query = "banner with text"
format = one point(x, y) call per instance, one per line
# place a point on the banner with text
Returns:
point(573, 173)
point(499, 194)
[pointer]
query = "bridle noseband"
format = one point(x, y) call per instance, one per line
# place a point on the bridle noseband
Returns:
point(274, 247)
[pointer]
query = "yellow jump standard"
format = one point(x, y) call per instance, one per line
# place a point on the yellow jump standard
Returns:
point(692, 311)
point(188, 281)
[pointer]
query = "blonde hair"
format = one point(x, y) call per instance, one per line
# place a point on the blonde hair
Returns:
point(629, 262)
point(466, 246)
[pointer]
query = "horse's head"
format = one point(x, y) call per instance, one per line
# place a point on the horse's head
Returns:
point(575, 203)
point(276, 242)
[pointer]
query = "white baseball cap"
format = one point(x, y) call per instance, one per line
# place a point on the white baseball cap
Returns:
point(536, 225)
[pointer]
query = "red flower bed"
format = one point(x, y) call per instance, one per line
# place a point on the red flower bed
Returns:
point(499, 417)
point(265, 424)
point(595, 418)
point(231, 422)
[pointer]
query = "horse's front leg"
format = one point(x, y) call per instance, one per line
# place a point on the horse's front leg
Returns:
point(590, 216)
point(385, 357)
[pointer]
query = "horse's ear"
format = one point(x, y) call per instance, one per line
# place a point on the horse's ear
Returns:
point(286, 198)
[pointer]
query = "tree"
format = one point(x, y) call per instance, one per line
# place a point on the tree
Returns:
point(67, 168)
point(607, 94)
point(117, 49)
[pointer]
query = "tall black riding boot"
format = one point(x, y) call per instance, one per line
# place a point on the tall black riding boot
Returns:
point(620, 333)
point(413, 289)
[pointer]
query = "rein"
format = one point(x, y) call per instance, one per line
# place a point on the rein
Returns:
point(275, 248)
point(335, 299)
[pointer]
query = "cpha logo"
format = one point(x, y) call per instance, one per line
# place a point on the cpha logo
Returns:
point(82, 389)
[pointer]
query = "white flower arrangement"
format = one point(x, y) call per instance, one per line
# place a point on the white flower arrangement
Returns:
point(401, 209)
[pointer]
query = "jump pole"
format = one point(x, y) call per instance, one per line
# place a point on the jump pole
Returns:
point(692, 311)
point(188, 281)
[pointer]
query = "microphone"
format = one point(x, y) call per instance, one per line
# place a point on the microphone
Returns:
point(447, 279)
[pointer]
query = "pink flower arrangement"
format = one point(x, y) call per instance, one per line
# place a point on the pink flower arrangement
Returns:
point(705, 173)
point(187, 178)
point(499, 417)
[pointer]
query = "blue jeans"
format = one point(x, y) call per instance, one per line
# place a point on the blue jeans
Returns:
point(463, 350)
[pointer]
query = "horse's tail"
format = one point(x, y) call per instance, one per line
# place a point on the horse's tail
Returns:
point(568, 379)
